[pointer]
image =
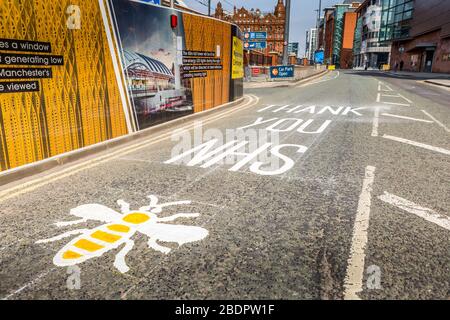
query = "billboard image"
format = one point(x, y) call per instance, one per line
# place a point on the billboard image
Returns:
point(149, 53)
point(175, 63)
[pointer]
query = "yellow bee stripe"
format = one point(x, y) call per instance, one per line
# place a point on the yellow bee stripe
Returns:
point(105, 236)
point(136, 218)
point(119, 228)
point(88, 245)
point(70, 255)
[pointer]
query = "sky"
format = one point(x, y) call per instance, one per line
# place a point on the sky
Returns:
point(303, 14)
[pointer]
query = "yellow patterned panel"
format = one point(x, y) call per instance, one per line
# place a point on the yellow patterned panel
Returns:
point(81, 105)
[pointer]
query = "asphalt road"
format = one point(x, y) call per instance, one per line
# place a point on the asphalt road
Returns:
point(358, 205)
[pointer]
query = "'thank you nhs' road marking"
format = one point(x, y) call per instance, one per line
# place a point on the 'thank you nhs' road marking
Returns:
point(214, 151)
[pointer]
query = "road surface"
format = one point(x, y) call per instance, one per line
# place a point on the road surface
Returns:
point(357, 207)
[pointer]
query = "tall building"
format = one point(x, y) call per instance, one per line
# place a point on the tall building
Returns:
point(339, 24)
point(255, 20)
point(420, 34)
point(311, 44)
point(368, 50)
point(348, 37)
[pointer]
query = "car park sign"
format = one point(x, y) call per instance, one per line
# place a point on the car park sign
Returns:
point(282, 72)
point(255, 45)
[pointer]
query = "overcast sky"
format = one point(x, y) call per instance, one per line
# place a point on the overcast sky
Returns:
point(303, 15)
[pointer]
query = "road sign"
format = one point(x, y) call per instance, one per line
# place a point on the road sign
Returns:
point(282, 72)
point(258, 35)
point(153, 1)
point(255, 45)
point(319, 56)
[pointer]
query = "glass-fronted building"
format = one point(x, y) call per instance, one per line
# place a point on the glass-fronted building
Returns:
point(419, 31)
point(369, 51)
point(395, 19)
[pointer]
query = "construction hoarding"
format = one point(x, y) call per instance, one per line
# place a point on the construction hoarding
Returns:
point(80, 72)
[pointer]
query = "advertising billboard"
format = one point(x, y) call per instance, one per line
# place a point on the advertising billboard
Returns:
point(237, 71)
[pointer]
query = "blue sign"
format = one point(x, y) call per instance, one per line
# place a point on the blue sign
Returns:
point(255, 45)
point(259, 35)
point(153, 1)
point(282, 72)
point(319, 57)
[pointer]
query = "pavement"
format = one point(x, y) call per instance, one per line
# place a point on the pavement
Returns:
point(439, 82)
point(357, 207)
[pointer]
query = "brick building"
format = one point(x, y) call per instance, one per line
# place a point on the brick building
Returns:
point(420, 34)
point(255, 20)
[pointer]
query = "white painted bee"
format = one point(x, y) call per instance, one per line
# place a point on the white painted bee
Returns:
point(119, 229)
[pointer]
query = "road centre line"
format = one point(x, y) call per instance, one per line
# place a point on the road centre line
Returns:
point(436, 120)
point(353, 282)
point(418, 144)
point(41, 181)
point(376, 122)
point(406, 118)
point(422, 212)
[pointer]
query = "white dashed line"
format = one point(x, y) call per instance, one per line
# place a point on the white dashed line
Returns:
point(376, 121)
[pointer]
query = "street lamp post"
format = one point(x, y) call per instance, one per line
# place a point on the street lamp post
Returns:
point(286, 33)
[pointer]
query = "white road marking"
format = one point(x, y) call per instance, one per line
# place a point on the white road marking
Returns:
point(406, 118)
point(325, 80)
point(353, 282)
point(379, 97)
point(41, 181)
point(383, 84)
point(436, 120)
point(32, 282)
point(376, 121)
point(418, 144)
point(422, 212)
point(405, 98)
point(397, 104)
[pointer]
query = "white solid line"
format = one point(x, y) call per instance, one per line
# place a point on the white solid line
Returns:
point(380, 89)
point(405, 98)
point(41, 181)
point(353, 282)
point(397, 104)
point(311, 83)
point(418, 144)
point(425, 213)
point(406, 118)
point(391, 95)
point(376, 121)
point(436, 120)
